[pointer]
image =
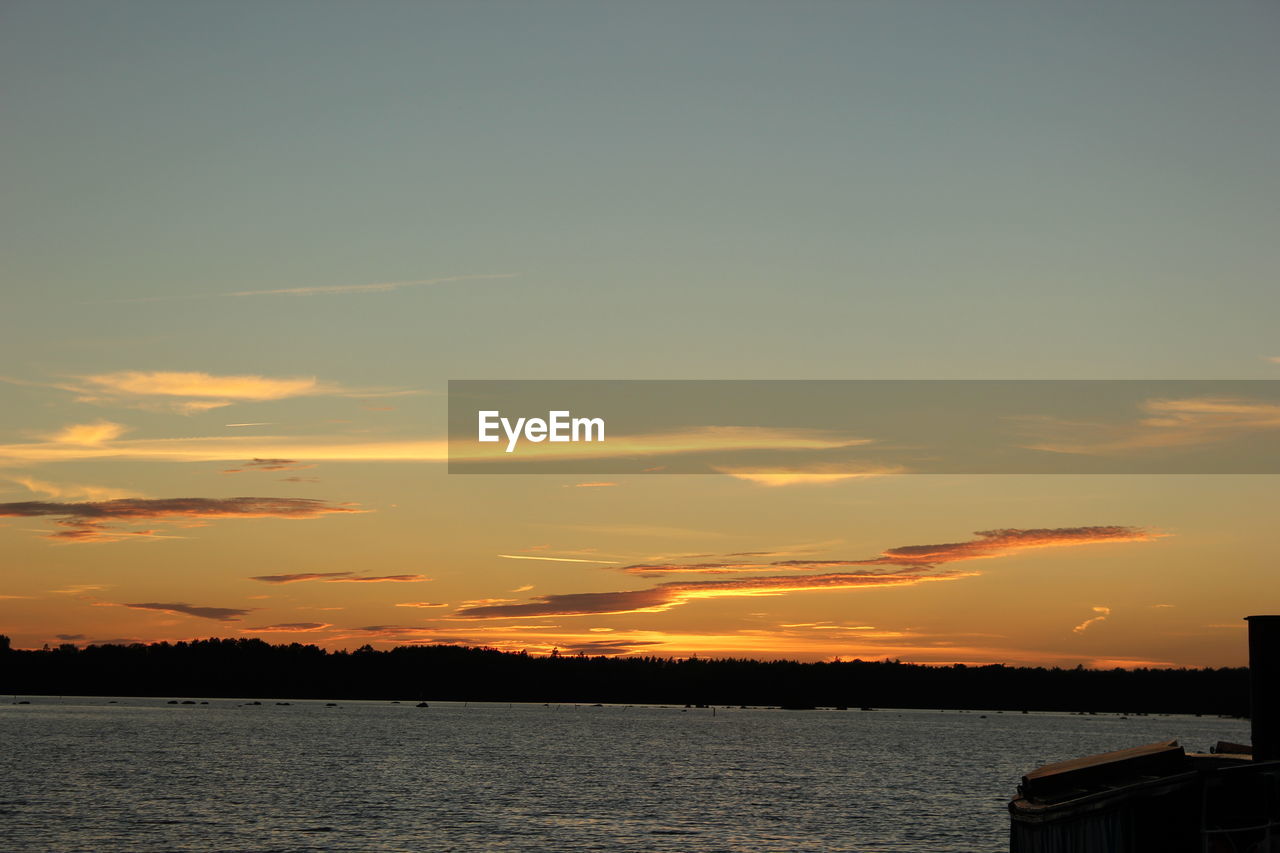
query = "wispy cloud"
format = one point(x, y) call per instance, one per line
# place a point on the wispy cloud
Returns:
point(813, 642)
point(194, 392)
point(905, 565)
point(644, 531)
point(376, 287)
point(811, 475)
point(98, 441)
point(219, 614)
point(668, 595)
point(160, 383)
point(601, 485)
point(1168, 423)
point(1131, 663)
point(422, 604)
point(88, 435)
point(268, 465)
point(91, 521)
point(382, 579)
point(73, 490)
point(989, 543)
point(288, 628)
point(1103, 613)
point(300, 577)
point(78, 589)
point(338, 577)
point(553, 559)
point(701, 439)
point(104, 443)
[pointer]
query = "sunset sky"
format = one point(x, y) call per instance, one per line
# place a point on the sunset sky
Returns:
point(247, 245)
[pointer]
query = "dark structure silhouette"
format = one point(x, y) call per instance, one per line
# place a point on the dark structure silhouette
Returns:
point(1159, 798)
point(252, 667)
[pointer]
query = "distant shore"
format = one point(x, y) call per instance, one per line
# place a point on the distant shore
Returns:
point(224, 668)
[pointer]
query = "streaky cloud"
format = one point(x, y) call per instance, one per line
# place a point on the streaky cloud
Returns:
point(904, 565)
point(88, 521)
point(89, 435)
point(337, 577)
point(160, 383)
point(219, 614)
point(381, 579)
point(1103, 613)
point(1168, 423)
point(299, 577)
point(817, 474)
point(553, 559)
point(377, 287)
point(989, 543)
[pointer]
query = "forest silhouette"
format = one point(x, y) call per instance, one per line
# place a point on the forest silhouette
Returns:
point(254, 668)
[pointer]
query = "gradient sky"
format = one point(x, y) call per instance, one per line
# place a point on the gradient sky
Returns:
point(242, 231)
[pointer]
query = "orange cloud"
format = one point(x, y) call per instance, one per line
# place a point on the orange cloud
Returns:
point(668, 595)
point(807, 476)
point(288, 628)
point(89, 435)
point(101, 443)
point(806, 643)
point(148, 383)
point(700, 439)
point(552, 559)
point(422, 604)
point(1132, 663)
point(990, 543)
point(996, 543)
point(221, 448)
point(905, 565)
point(63, 490)
point(78, 589)
point(1103, 613)
point(194, 392)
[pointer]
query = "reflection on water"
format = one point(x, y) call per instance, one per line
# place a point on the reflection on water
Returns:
point(85, 775)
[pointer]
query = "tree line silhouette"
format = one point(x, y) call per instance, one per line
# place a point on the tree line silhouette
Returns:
point(254, 668)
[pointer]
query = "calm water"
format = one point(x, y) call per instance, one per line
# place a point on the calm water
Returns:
point(85, 775)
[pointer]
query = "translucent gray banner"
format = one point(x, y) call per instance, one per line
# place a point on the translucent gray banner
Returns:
point(798, 430)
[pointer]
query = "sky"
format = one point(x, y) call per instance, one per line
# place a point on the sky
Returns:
point(248, 245)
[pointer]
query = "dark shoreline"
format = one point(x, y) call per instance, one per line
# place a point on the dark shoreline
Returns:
point(230, 668)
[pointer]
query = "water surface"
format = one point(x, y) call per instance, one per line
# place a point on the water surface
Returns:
point(80, 774)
